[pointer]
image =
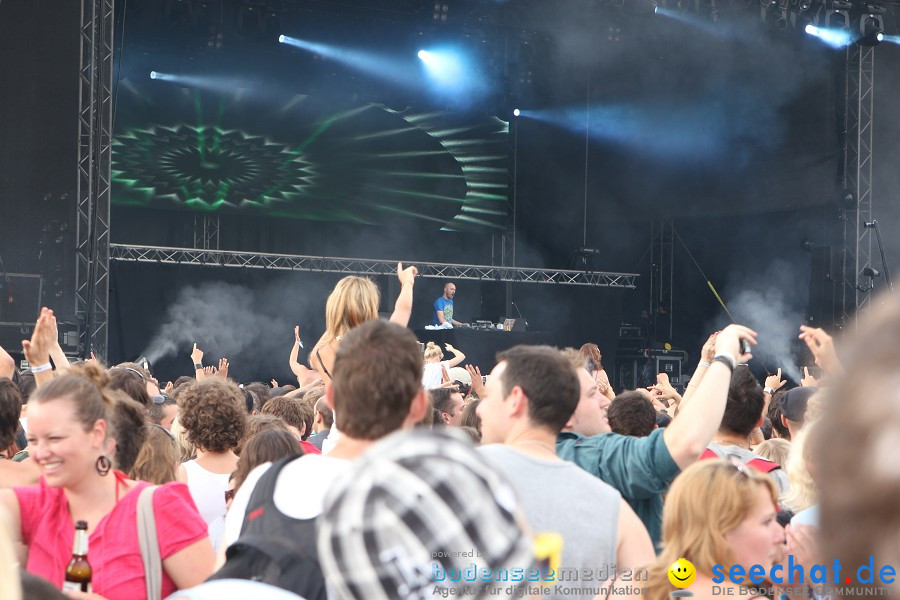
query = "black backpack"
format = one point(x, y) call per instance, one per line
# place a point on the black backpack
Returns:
point(274, 548)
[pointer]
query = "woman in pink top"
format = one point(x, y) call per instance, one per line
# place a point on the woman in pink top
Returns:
point(67, 437)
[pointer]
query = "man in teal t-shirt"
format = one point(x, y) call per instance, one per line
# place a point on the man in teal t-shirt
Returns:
point(642, 468)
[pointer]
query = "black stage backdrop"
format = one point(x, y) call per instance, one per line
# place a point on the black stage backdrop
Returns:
point(248, 315)
point(39, 43)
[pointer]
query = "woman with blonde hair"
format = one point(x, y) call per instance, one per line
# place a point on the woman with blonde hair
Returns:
point(717, 513)
point(354, 301)
point(434, 369)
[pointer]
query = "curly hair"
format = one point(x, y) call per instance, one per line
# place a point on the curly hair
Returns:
point(212, 412)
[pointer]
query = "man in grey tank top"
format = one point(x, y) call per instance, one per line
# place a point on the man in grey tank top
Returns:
point(531, 394)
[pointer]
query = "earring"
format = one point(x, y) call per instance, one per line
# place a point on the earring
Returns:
point(103, 465)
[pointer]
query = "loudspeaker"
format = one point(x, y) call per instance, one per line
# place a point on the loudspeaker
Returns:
point(20, 298)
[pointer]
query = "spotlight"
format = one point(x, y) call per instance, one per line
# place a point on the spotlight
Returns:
point(424, 55)
point(152, 74)
point(516, 112)
point(871, 28)
point(871, 272)
point(281, 39)
point(836, 38)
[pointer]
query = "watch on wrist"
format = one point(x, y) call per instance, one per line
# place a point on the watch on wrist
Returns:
point(769, 391)
point(198, 367)
point(726, 359)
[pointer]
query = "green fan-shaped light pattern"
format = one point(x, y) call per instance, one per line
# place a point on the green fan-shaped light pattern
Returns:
point(206, 168)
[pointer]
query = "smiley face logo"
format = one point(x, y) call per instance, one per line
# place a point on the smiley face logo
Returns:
point(682, 573)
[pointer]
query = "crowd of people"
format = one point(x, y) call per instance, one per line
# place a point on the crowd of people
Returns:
point(388, 472)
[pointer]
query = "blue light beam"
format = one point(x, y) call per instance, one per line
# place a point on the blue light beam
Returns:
point(836, 38)
point(382, 67)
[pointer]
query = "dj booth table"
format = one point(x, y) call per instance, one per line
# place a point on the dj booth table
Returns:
point(481, 346)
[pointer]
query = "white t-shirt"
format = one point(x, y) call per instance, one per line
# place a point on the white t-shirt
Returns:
point(432, 377)
point(299, 491)
point(208, 491)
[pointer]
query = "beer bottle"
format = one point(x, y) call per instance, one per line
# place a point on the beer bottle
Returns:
point(78, 572)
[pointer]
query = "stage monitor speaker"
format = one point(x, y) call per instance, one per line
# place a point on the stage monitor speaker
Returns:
point(20, 298)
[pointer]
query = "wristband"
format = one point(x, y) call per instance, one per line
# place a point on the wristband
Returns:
point(198, 366)
point(726, 359)
point(769, 391)
point(41, 368)
point(702, 363)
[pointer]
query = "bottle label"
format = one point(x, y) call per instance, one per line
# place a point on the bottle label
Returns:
point(73, 586)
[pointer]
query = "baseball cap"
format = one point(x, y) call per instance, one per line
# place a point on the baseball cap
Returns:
point(793, 403)
point(419, 510)
point(460, 374)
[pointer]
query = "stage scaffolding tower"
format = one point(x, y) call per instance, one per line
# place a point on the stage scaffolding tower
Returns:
point(94, 154)
point(857, 239)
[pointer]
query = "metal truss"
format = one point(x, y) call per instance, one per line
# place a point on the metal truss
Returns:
point(857, 250)
point(662, 275)
point(206, 231)
point(362, 266)
point(94, 154)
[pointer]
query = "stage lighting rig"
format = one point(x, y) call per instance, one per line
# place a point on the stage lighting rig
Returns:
point(871, 25)
point(837, 15)
point(441, 11)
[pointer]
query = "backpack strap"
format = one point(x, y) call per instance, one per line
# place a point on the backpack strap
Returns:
point(707, 454)
point(262, 498)
point(761, 464)
point(149, 544)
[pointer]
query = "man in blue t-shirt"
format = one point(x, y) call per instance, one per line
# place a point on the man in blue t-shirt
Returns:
point(443, 307)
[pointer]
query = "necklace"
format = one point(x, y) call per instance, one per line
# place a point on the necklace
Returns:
point(731, 443)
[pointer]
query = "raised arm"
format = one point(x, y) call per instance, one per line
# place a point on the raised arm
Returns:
point(37, 349)
point(197, 358)
point(7, 364)
point(60, 360)
point(403, 306)
point(700, 418)
point(706, 356)
point(664, 390)
point(822, 347)
point(301, 371)
point(458, 356)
